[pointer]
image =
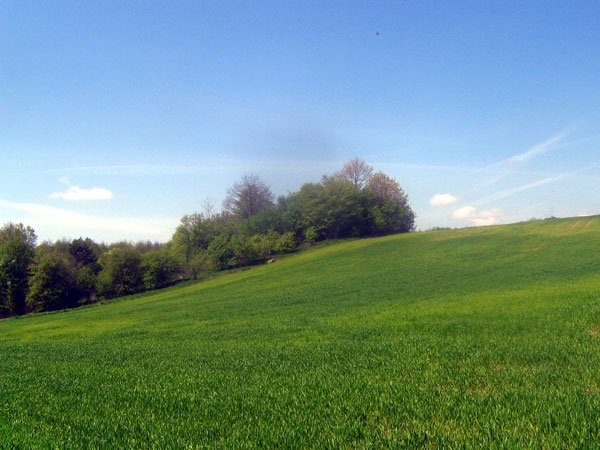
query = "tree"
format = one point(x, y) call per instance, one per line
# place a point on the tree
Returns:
point(356, 171)
point(83, 251)
point(220, 252)
point(333, 211)
point(392, 213)
point(195, 232)
point(385, 187)
point(19, 232)
point(53, 284)
point(248, 197)
point(286, 243)
point(122, 273)
point(160, 269)
point(192, 238)
point(17, 244)
point(264, 222)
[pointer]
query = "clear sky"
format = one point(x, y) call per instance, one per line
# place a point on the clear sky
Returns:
point(117, 118)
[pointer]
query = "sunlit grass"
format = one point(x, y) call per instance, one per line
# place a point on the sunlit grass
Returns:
point(482, 337)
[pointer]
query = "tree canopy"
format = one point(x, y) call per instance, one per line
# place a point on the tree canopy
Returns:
point(248, 197)
point(354, 201)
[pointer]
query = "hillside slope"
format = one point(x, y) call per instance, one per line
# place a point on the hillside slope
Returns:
point(480, 337)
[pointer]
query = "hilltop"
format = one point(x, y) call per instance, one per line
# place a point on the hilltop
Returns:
point(473, 337)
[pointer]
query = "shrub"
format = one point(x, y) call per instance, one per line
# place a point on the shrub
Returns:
point(286, 243)
point(53, 284)
point(159, 268)
point(122, 273)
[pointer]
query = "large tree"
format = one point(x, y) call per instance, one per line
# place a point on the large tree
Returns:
point(17, 244)
point(122, 272)
point(393, 213)
point(386, 188)
point(53, 283)
point(248, 197)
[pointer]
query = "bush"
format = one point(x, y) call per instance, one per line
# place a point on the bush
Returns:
point(53, 284)
point(243, 252)
point(122, 273)
point(199, 262)
point(311, 235)
point(17, 245)
point(220, 251)
point(159, 268)
point(286, 243)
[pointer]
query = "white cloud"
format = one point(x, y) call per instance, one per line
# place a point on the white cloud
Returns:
point(464, 212)
point(74, 223)
point(442, 200)
point(75, 193)
point(478, 218)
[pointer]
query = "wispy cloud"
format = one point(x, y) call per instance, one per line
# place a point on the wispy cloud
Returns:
point(516, 190)
point(442, 200)
point(72, 221)
point(487, 183)
point(534, 151)
point(63, 180)
point(75, 193)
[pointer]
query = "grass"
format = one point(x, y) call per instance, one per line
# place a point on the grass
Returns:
point(481, 337)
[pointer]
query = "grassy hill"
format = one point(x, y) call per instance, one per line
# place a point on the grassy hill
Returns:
point(483, 337)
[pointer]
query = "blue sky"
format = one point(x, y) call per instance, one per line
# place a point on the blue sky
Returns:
point(117, 118)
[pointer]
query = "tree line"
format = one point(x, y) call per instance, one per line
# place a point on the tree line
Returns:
point(252, 227)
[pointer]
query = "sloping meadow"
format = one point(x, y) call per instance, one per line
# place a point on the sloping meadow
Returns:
point(479, 337)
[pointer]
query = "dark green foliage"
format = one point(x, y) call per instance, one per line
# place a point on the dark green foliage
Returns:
point(160, 269)
point(17, 244)
point(392, 211)
point(336, 210)
point(122, 272)
point(264, 222)
point(53, 283)
point(83, 251)
point(15, 258)
point(87, 280)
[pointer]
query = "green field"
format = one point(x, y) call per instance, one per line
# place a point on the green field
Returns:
point(479, 337)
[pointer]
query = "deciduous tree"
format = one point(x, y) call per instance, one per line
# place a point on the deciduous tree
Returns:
point(356, 171)
point(248, 197)
point(17, 244)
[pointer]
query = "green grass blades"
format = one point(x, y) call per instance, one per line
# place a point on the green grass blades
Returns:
point(471, 338)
